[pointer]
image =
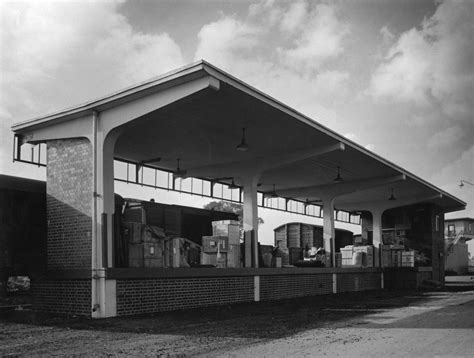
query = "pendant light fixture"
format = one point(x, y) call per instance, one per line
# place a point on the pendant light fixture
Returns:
point(392, 197)
point(273, 194)
point(338, 178)
point(232, 185)
point(179, 173)
point(243, 146)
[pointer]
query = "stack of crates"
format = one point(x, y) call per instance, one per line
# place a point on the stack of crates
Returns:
point(222, 249)
point(145, 245)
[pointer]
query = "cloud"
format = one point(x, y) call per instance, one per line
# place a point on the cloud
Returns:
point(295, 17)
point(431, 66)
point(247, 49)
point(226, 39)
point(59, 54)
point(387, 35)
point(446, 137)
point(320, 39)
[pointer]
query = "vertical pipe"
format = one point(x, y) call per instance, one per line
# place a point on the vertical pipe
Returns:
point(14, 146)
point(95, 298)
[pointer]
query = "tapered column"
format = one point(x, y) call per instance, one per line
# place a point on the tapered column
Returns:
point(329, 232)
point(103, 289)
point(377, 236)
point(250, 220)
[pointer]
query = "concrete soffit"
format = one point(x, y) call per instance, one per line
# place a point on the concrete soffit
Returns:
point(51, 126)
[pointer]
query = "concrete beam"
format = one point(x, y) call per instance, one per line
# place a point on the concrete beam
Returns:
point(386, 204)
point(338, 189)
point(260, 164)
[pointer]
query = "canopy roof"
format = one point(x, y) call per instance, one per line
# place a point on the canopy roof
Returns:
point(297, 154)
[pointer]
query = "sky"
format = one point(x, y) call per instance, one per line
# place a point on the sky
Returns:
point(395, 76)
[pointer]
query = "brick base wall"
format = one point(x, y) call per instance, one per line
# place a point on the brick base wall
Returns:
point(135, 296)
point(406, 279)
point(360, 281)
point(62, 296)
point(288, 286)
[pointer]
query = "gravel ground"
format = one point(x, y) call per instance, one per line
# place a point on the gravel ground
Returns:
point(387, 323)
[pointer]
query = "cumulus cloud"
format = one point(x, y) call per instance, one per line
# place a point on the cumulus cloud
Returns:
point(226, 39)
point(431, 66)
point(59, 54)
point(294, 18)
point(446, 137)
point(309, 36)
point(387, 35)
point(321, 37)
point(90, 49)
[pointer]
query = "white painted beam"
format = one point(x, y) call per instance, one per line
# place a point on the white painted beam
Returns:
point(260, 164)
point(338, 189)
point(386, 204)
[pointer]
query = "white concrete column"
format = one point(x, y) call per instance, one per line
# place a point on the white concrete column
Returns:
point(329, 232)
point(250, 219)
point(377, 235)
point(103, 294)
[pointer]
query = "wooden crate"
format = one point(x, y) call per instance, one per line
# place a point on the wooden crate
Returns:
point(152, 252)
point(132, 232)
point(233, 256)
point(212, 259)
point(210, 244)
point(408, 258)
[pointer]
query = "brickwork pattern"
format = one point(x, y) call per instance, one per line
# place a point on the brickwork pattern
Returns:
point(137, 296)
point(69, 204)
point(62, 296)
point(360, 281)
point(287, 286)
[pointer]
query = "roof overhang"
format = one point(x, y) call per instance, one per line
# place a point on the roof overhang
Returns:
point(294, 152)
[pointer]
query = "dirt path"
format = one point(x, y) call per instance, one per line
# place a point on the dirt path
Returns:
point(347, 325)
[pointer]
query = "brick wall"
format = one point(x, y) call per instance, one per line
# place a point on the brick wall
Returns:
point(69, 203)
point(360, 281)
point(135, 296)
point(287, 286)
point(62, 296)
